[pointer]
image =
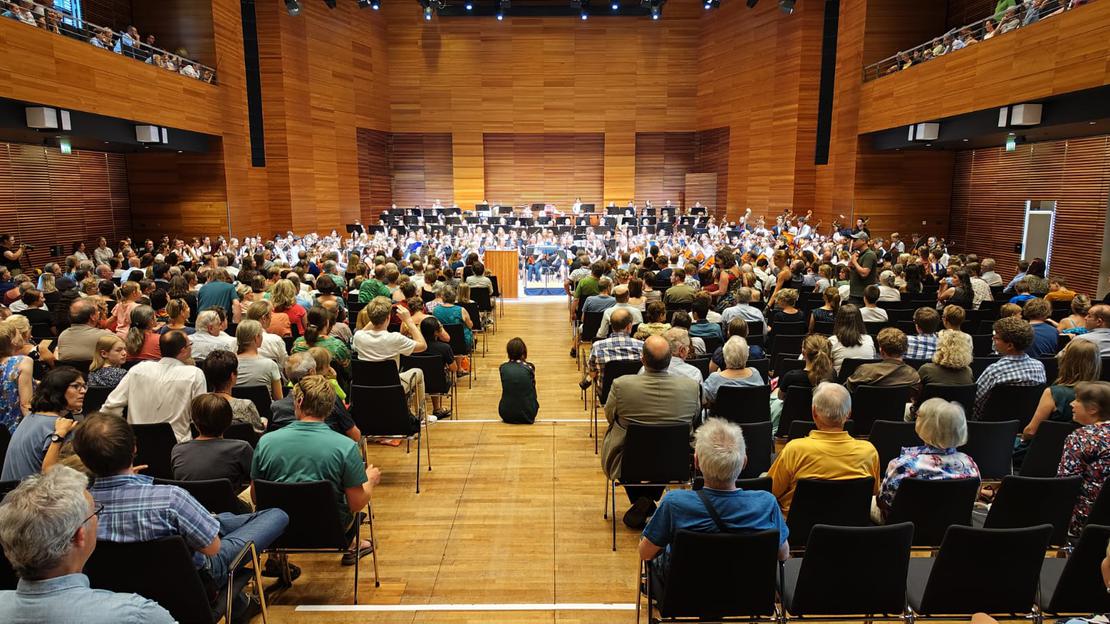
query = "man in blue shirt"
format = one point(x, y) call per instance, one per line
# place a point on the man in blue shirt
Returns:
point(218, 291)
point(1022, 268)
point(48, 528)
point(720, 454)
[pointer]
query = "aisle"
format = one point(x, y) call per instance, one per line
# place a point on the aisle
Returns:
point(509, 515)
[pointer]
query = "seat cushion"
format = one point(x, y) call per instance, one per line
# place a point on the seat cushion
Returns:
point(791, 570)
point(916, 580)
point(1051, 570)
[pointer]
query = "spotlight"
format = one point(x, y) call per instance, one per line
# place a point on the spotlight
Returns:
point(584, 15)
point(500, 15)
point(787, 6)
point(469, 6)
point(712, 4)
point(616, 6)
point(428, 13)
point(375, 4)
point(502, 7)
point(655, 7)
point(293, 7)
point(655, 14)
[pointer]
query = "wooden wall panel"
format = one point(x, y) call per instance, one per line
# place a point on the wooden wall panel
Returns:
point(896, 25)
point(537, 168)
point(375, 186)
point(903, 192)
point(49, 198)
point(992, 185)
point(468, 168)
point(1065, 53)
point(178, 194)
point(964, 12)
point(178, 24)
point(711, 150)
point(702, 187)
point(420, 167)
point(115, 14)
point(662, 161)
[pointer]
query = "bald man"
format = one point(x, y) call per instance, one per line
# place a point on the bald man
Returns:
point(620, 345)
point(620, 293)
point(652, 398)
point(1098, 328)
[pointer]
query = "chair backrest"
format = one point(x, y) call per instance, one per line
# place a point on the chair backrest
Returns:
point(980, 364)
point(314, 520)
point(823, 327)
point(1045, 449)
point(763, 365)
point(239, 430)
point(790, 328)
point(933, 506)
point(960, 393)
point(155, 442)
point(656, 454)
point(1080, 588)
point(81, 365)
point(1009, 402)
point(474, 313)
point(982, 345)
point(481, 296)
point(216, 495)
point(844, 502)
point(744, 404)
point(95, 396)
point(614, 369)
point(787, 343)
point(849, 366)
point(259, 395)
point(382, 411)
point(874, 403)
point(786, 362)
point(591, 323)
point(716, 575)
point(711, 344)
point(760, 447)
point(986, 570)
point(1051, 367)
point(890, 437)
point(702, 364)
point(797, 406)
point(161, 570)
point(991, 445)
point(5, 440)
point(874, 327)
point(755, 328)
point(875, 558)
point(383, 373)
point(1032, 501)
point(435, 374)
point(1100, 509)
point(1105, 376)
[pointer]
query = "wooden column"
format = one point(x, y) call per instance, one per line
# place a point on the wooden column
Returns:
point(504, 263)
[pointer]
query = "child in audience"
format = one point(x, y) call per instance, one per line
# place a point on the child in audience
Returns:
point(518, 404)
point(1009, 309)
point(323, 367)
point(106, 370)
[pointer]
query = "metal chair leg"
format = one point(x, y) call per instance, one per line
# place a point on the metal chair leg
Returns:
point(373, 544)
point(259, 589)
point(428, 445)
point(613, 510)
point(358, 554)
point(418, 436)
point(606, 508)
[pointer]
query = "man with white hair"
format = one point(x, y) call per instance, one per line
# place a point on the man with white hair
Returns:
point(720, 454)
point(48, 531)
point(827, 453)
point(210, 335)
point(679, 341)
point(620, 293)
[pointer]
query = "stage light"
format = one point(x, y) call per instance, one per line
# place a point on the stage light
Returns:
point(293, 7)
point(655, 14)
point(502, 7)
point(375, 4)
point(585, 15)
point(428, 13)
point(469, 6)
point(787, 6)
point(500, 15)
point(616, 6)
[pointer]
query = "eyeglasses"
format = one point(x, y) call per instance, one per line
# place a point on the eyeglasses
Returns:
point(78, 386)
point(96, 512)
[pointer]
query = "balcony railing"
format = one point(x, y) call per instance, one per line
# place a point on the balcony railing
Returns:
point(55, 20)
point(1022, 14)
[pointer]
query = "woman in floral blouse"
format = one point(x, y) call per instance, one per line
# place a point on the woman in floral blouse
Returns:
point(1087, 449)
point(941, 425)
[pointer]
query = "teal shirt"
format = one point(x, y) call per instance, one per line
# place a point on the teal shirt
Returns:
point(305, 451)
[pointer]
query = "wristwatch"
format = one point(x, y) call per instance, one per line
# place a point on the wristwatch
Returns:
point(56, 439)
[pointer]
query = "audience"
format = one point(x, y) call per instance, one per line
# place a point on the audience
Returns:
point(1012, 336)
point(891, 371)
point(297, 367)
point(621, 298)
point(1045, 336)
point(1098, 328)
point(923, 345)
point(106, 370)
point(736, 372)
point(221, 373)
point(16, 383)
point(209, 456)
point(255, 369)
point(618, 346)
point(48, 530)
point(375, 343)
point(210, 334)
point(1076, 323)
point(870, 311)
point(951, 362)
point(1087, 449)
point(1079, 362)
point(850, 338)
point(681, 344)
point(40, 435)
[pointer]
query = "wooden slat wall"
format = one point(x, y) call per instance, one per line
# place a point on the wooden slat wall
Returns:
point(896, 25)
point(1065, 53)
point(711, 150)
point(179, 24)
point(900, 190)
point(49, 198)
point(420, 168)
point(963, 12)
point(662, 161)
point(702, 187)
point(116, 14)
point(535, 168)
point(375, 186)
point(992, 185)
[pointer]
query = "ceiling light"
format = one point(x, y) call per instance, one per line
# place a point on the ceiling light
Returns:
point(787, 6)
point(469, 6)
point(293, 7)
point(616, 6)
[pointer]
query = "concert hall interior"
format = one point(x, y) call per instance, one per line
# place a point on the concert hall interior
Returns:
point(253, 203)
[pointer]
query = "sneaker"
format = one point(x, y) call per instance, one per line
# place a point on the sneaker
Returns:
point(431, 418)
point(637, 515)
point(573, 352)
point(247, 612)
point(272, 569)
point(585, 383)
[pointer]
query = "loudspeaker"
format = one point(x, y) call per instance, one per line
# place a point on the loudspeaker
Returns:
point(1025, 115)
point(148, 134)
point(828, 82)
point(42, 118)
point(927, 131)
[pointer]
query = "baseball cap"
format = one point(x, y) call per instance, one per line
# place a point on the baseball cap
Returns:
point(861, 235)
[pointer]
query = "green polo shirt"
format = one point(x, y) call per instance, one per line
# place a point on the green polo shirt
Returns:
point(305, 451)
point(371, 288)
point(587, 287)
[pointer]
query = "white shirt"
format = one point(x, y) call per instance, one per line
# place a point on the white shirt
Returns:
point(273, 347)
point(205, 343)
point(378, 346)
point(103, 256)
point(887, 293)
point(682, 369)
point(157, 392)
point(637, 317)
point(742, 310)
point(864, 351)
point(873, 315)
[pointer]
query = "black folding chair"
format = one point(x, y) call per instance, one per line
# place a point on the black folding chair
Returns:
point(162, 570)
point(982, 345)
point(849, 366)
point(1042, 457)
point(216, 495)
point(786, 362)
point(382, 412)
point(743, 404)
point(890, 437)
point(438, 381)
point(155, 442)
point(1010, 402)
point(381, 373)
point(980, 364)
point(797, 406)
point(496, 294)
point(790, 328)
point(760, 447)
point(962, 394)
point(612, 370)
point(243, 431)
point(843, 502)
point(933, 506)
point(702, 364)
point(1074, 585)
point(875, 558)
point(1032, 501)
point(591, 324)
point(978, 570)
point(95, 396)
point(315, 524)
point(1051, 367)
point(991, 445)
point(875, 403)
point(786, 343)
point(483, 300)
point(714, 576)
point(461, 348)
point(823, 327)
point(763, 365)
point(656, 455)
point(259, 395)
point(81, 365)
point(479, 328)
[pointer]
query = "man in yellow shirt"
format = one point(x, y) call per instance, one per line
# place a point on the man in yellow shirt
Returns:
point(1058, 290)
point(828, 452)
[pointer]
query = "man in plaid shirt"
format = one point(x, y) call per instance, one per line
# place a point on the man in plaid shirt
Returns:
point(924, 344)
point(1012, 336)
point(620, 345)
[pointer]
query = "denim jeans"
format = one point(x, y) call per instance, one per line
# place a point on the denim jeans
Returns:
point(262, 528)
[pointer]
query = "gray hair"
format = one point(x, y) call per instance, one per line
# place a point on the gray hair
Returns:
point(207, 320)
point(941, 424)
point(719, 447)
point(743, 295)
point(677, 338)
point(299, 365)
point(736, 352)
point(246, 333)
point(832, 402)
point(38, 520)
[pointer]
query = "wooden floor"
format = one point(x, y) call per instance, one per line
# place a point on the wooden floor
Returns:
point(509, 515)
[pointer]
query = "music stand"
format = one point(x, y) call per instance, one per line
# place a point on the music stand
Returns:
point(649, 212)
point(472, 220)
point(628, 220)
point(527, 222)
point(481, 207)
point(613, 210)
point(697, 210)
point(582, 221)
point(375, 229)
point(453, 220)
point(538, 207)
point(504, 210)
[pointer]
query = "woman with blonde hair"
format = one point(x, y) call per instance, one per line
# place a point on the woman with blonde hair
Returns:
point(1076, 323)
point(284, 297)
point(817, 353)
point(322, 358)
point(254, 368)
point(16, 383)
point(142, 339)
point(951, 362)
point(178, 312)
point(109, 356)
point(129, 295)
point(1079, 362)
point(41, 357)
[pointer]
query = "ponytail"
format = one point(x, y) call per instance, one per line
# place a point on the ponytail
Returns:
point(311, 334)
point(136, 336)
point(821, 368)
point(832, 296)
point(317, 320)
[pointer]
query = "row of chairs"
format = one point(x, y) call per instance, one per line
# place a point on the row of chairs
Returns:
point(864, 572)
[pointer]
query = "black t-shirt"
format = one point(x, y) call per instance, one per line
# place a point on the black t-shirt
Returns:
point(199, 460)
point(11, 265)
point(443, 350)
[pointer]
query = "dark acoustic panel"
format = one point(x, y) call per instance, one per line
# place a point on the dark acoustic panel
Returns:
point(828, 82)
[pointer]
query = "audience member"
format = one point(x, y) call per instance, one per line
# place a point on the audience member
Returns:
point(209, 456)
point(743, 308)
point(1045, 336)
point(923, 345)
point(210, 334)
point(655, 321)
point(58, 399)
point(375, 343)
point(736, 372)
point(518, 405)
point(1098, 328)
point(681, 344)
point(870, 311)
point(850, 338)
point(297, 367)
point(221, 372)
point(827, 312)
point(142, 339)
point(106, 370)
point(618, 346)
point(736, 327)
point(16, 383)
point(951, 362)
point(891, 371)
point(1012, 336)
point(1079, 362)
point(620, 296)
point(255, 369)
point(1087, 449)
point(1076, 323)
